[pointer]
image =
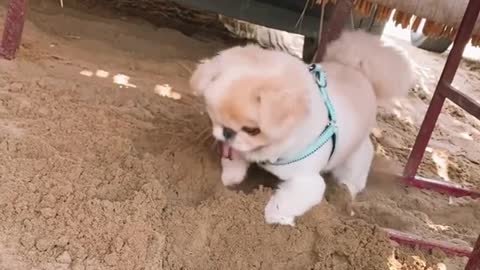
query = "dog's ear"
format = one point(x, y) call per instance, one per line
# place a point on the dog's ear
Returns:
point(205, 73)
point(280, 110)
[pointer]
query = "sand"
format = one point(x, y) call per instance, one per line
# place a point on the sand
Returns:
point(106, 163)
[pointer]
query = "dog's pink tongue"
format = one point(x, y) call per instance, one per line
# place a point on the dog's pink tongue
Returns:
point(228, 152)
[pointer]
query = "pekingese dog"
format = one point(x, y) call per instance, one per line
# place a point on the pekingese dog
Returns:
point(298, 120)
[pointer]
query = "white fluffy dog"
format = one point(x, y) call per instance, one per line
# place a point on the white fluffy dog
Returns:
point(273, 109)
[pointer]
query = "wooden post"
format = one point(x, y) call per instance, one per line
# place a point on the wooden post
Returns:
point(335, 25)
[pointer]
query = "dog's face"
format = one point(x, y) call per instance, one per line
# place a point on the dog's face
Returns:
point(251, 96)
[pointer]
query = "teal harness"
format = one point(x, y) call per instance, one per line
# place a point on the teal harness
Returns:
point(330, 131)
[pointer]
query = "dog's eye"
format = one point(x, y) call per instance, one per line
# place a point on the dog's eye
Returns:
point(252, 131)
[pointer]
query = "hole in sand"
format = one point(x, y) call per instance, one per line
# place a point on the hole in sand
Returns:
point(256, 178)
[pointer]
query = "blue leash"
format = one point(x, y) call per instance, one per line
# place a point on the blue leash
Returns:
point(330, 131)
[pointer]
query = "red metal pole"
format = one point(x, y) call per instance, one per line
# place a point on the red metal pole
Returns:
point(451, 66)
point(13, 28)
point(412, 240)
point(440, 186)
point(465, 102)
point(474, 261)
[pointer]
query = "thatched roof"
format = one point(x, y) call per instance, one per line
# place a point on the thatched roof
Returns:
point(442, 16)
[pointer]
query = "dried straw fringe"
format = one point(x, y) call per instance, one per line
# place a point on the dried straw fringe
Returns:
point(431, 28)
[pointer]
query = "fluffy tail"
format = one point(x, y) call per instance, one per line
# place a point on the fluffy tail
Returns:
point(388, 68)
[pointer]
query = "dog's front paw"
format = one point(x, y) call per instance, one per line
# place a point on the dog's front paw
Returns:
point(232, 177)
point(273, 215)
point(233, 171)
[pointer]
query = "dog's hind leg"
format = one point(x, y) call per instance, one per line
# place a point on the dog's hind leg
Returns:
point(354, 171)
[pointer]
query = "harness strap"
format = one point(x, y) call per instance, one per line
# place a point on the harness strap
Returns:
point(330, 131)
point(321, 79)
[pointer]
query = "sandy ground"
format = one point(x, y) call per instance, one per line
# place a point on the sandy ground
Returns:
point(105, 163)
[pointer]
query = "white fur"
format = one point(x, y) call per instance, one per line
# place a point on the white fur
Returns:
point(360, 71)
point(233, 171)
point(375, 61)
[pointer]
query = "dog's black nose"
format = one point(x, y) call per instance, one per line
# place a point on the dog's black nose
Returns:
point(228, 133)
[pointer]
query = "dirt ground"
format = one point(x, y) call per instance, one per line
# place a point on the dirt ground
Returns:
point(106, 163)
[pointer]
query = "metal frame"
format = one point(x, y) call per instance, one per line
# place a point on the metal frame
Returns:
point(474, 261)
point(13, 29)
point(443, 91)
